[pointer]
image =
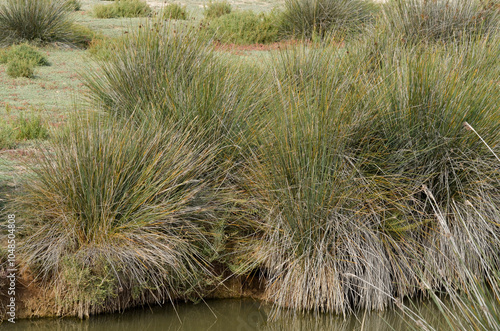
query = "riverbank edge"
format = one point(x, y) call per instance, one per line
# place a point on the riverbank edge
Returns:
point(35, 300)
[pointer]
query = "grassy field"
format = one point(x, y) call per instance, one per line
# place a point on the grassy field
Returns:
point(346, 151)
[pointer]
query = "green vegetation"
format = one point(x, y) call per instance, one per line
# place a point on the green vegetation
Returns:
point(123, 8)
point(7, 140)
point(174, 11)
point(245, 27)
point(217, 9)
point(315, 18)
point(30, 128)
point(74, 5)
point(26, 53)
point(176, 79)
point(351, 175)
point(125, 205)
point(103, 47)
point(23, 128)
point(416, 20)
point(21, 68)
point(38, 21)
point(21, 60)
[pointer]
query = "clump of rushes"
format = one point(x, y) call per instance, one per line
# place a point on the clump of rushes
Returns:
point(217, 9)
point(245, 27)
point(175, 78)
point(315, 18)
point(102, 47)
point(123, 8)
point(118, 213)
point(473, 305)
point(174, 11)
point(444, 20)
point(39, 21)
point(365, 172)
point(21, 68)
point(429, 92)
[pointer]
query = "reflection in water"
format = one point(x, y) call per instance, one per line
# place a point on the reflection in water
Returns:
point(222, 315)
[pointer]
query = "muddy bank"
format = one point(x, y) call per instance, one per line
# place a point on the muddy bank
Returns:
point(36, 300)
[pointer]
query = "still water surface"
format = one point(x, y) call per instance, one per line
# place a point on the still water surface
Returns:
point(224, 315)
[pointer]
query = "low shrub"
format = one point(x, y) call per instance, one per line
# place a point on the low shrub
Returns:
point(174, 11)
point(38, 21)
point(120, 210)
point(315, 18)
point(21, 68)
point(368, 180)
point(30, 128)
point(245, 27)
point(102, 47)
point(445, 20)
point(217, 9)
point(123, 8)
point(27, 53)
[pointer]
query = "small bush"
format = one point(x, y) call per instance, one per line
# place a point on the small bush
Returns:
point(21, 68)
point(28, 53)
point(245, 27)
point(120, 209)
point(217, 9)
point(123, 8)
point(370, 181)
point(310, 18)
point(174, 11)
point(419, 20)
point(40, 21)
point(30, 128)
point(82, 35)
point(7, 136)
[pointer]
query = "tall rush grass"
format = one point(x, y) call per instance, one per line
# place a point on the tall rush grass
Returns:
point(39, 21)
point(119, 216)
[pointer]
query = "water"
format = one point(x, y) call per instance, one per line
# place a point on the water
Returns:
point(225, 315)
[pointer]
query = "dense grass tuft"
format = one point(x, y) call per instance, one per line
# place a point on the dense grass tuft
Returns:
point(174, 11)
point(217, 9)
point(120, 213)
point(307, 189)
point(176, 79)
point(73, 5)
point(39, 21)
